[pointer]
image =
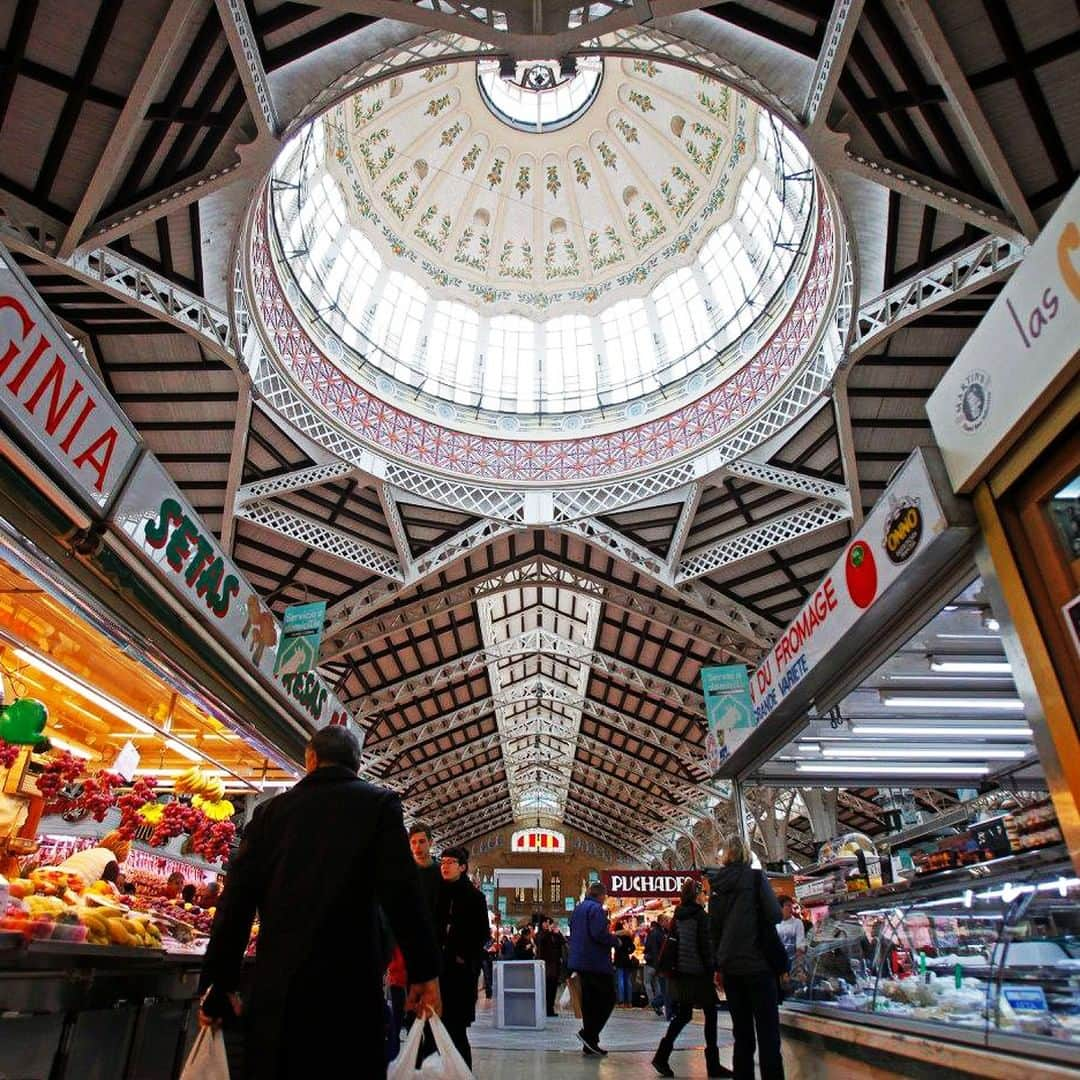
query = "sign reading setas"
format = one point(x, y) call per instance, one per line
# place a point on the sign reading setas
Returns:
point(52, 398)
point(898, 531)
point(647, 883)
point(158, 521)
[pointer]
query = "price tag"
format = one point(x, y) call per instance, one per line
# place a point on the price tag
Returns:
point(127, 761)
point(1025, 999)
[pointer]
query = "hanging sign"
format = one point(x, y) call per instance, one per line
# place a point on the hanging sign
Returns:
point(542, 841)
point(1026, 349)
point(896, 534)
point(728, 709)
point(301, 636)
point(155, 518)
point(647, 883)
point(52, 400)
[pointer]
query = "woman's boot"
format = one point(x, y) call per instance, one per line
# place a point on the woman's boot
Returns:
point(660, 1058)
point(712, 1063)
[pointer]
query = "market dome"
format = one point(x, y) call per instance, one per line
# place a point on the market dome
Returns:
point(549, 251)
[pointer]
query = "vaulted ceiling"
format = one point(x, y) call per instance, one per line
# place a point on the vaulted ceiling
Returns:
point(134, 133)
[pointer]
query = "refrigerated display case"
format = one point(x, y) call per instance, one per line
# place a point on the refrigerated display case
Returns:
point(988, 958)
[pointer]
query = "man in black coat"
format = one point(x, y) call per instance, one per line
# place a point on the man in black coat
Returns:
point(317, 863)
point(462, 927)
point(430, 877)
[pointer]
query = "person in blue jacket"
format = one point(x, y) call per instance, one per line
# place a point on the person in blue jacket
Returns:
point(591, 942)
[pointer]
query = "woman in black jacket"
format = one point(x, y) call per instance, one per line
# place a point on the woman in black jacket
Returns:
point(690, 985)
point(741, 908)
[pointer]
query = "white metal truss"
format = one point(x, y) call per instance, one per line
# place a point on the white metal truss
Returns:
point(617, 833)
point(682, 526)
point(237, 460)
point(130, 280)
point(789, 480)
point(297, 480)
point(352, 626)
point(532, 642)
point(460, 831)
point(322, 537)
point(761, 537)
point(498, 804)
point(839, 33)
point(447, 794)
point(972, 268)
point(245, 50)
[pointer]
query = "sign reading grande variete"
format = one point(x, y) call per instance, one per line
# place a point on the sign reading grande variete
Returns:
point(52, 398)
point(896, 534)
point(157, 520)
point(647, 883)
point(1026, 349)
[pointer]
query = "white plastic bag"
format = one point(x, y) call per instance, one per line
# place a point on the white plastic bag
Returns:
point(207, 1060)
point(446, 1064)
point(565, 1001)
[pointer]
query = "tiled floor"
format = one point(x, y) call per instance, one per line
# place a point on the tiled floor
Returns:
point(630, 1037)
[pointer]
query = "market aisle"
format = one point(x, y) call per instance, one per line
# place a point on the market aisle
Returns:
point(631, 1037)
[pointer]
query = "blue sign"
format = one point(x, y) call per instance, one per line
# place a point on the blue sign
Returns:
point(729, 712)
point(301, 636)
point(569, 903)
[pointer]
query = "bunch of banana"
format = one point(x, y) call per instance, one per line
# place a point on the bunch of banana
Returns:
point(151, 812)
point(97, 927)
point(193, 782)
point(135, 933)
point(219, 810)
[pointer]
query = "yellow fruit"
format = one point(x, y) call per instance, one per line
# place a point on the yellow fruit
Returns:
point(120, 934)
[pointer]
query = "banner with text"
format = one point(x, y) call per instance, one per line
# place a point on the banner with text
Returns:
point(729, 711)
point(301, 636)
point(158, 521)
point(51, 396)
point(647, 883)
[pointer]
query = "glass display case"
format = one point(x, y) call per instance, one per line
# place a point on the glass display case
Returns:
point(990, 959)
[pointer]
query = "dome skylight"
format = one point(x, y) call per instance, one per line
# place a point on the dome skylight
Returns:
point(565, 281)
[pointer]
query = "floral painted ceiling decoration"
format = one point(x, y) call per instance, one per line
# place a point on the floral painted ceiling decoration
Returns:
point(438, 171)
point(570, 251)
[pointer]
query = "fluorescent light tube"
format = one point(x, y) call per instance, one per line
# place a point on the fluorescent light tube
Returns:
point(944, 753)
point(959, 731)
point(71, 748)
point(961, 666)
point(72, 682)
point(875, 769)
point(928, 701)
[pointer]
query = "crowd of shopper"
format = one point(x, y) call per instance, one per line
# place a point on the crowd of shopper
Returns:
point(385, 935)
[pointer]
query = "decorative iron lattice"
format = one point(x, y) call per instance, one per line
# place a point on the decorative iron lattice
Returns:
point(969, 269)
point(789, 480)
point(292, 481)
point(322, 537)
point(532, 642)
point(661, 778)
point(234, 18)
point(838, 33)
point(127, 278)
point(450, 794)
point(764, 537)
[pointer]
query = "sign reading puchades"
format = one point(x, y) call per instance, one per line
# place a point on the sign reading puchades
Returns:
point(647, 883)
point(904, 522)
point(1022, 354)
point(53, 401)
point(157, 520)
point(541, 841)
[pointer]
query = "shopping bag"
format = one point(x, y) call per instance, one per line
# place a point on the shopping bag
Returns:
point(403, 1067)
point(207, 1060)
point(564, 998)
point(450, 1064)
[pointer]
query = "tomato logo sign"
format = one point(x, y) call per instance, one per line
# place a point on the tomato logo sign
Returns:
point(860, 573)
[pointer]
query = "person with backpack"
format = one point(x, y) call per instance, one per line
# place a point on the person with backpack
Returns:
point(654, 981)
point(750, 959)
point(687, 961)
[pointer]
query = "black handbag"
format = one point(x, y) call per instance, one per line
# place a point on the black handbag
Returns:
point(667, 961)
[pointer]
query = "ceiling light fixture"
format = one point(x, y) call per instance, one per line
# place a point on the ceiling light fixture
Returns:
point(945, 753)
point(961, 731)
point(71, 748)
point(895, 700)
point(892, 769)
point(970, 665)
point(73, 682)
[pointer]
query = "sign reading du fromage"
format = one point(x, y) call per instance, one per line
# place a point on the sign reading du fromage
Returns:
point(647, 883)
point(1026, 349)
point(156, 519)
point(53, 400)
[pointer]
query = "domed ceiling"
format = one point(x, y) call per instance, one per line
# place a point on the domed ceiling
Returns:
point(484, 207)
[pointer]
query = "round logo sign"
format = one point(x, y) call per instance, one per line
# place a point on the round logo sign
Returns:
point(973, 401)
point(903, 530)
point(860, 574)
